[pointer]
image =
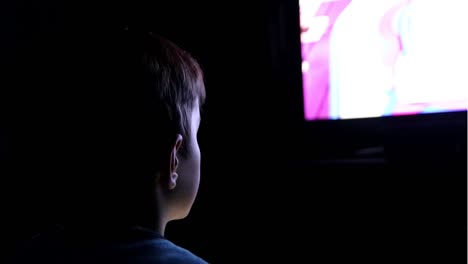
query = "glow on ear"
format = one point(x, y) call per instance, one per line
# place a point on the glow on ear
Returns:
point(173, 181)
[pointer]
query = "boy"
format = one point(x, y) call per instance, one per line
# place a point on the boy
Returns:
point(126, 156)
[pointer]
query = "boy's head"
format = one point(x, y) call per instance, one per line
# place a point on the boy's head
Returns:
point(130, 143)
point(176, 82)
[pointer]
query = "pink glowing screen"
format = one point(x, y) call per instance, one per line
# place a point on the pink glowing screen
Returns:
point(370, 58)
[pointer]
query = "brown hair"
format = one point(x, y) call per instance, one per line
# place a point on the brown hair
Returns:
point(177, 81)
point(154, 86)
point(123, 98)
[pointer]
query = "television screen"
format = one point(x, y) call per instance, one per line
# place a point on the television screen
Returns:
point(371, 58)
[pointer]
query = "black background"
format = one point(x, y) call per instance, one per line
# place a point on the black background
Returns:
point(273, 188)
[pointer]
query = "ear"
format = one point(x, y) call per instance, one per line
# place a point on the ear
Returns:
point(174, 163)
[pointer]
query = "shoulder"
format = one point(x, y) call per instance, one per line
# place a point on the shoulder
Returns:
point(164, 251)
point(135, 247)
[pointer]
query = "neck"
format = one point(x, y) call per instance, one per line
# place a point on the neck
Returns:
point(161, 228)
point(156, 224)
point(153, 217)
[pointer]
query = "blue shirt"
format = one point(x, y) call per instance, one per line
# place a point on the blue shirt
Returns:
point(134, 245)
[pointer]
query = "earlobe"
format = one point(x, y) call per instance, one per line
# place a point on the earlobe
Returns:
point(174, 163)
point(173, 181)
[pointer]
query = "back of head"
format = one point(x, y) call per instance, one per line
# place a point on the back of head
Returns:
point(119, 100)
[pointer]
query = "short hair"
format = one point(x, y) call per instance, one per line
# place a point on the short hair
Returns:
point(127, 94)
point(172, 81)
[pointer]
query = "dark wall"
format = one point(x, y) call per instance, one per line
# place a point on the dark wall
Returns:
point(239, 195)
point(260, 197)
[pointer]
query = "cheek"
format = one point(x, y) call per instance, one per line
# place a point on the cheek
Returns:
point(195, 155)
point(187, 185)
point(194, 167)
point(189, 172)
